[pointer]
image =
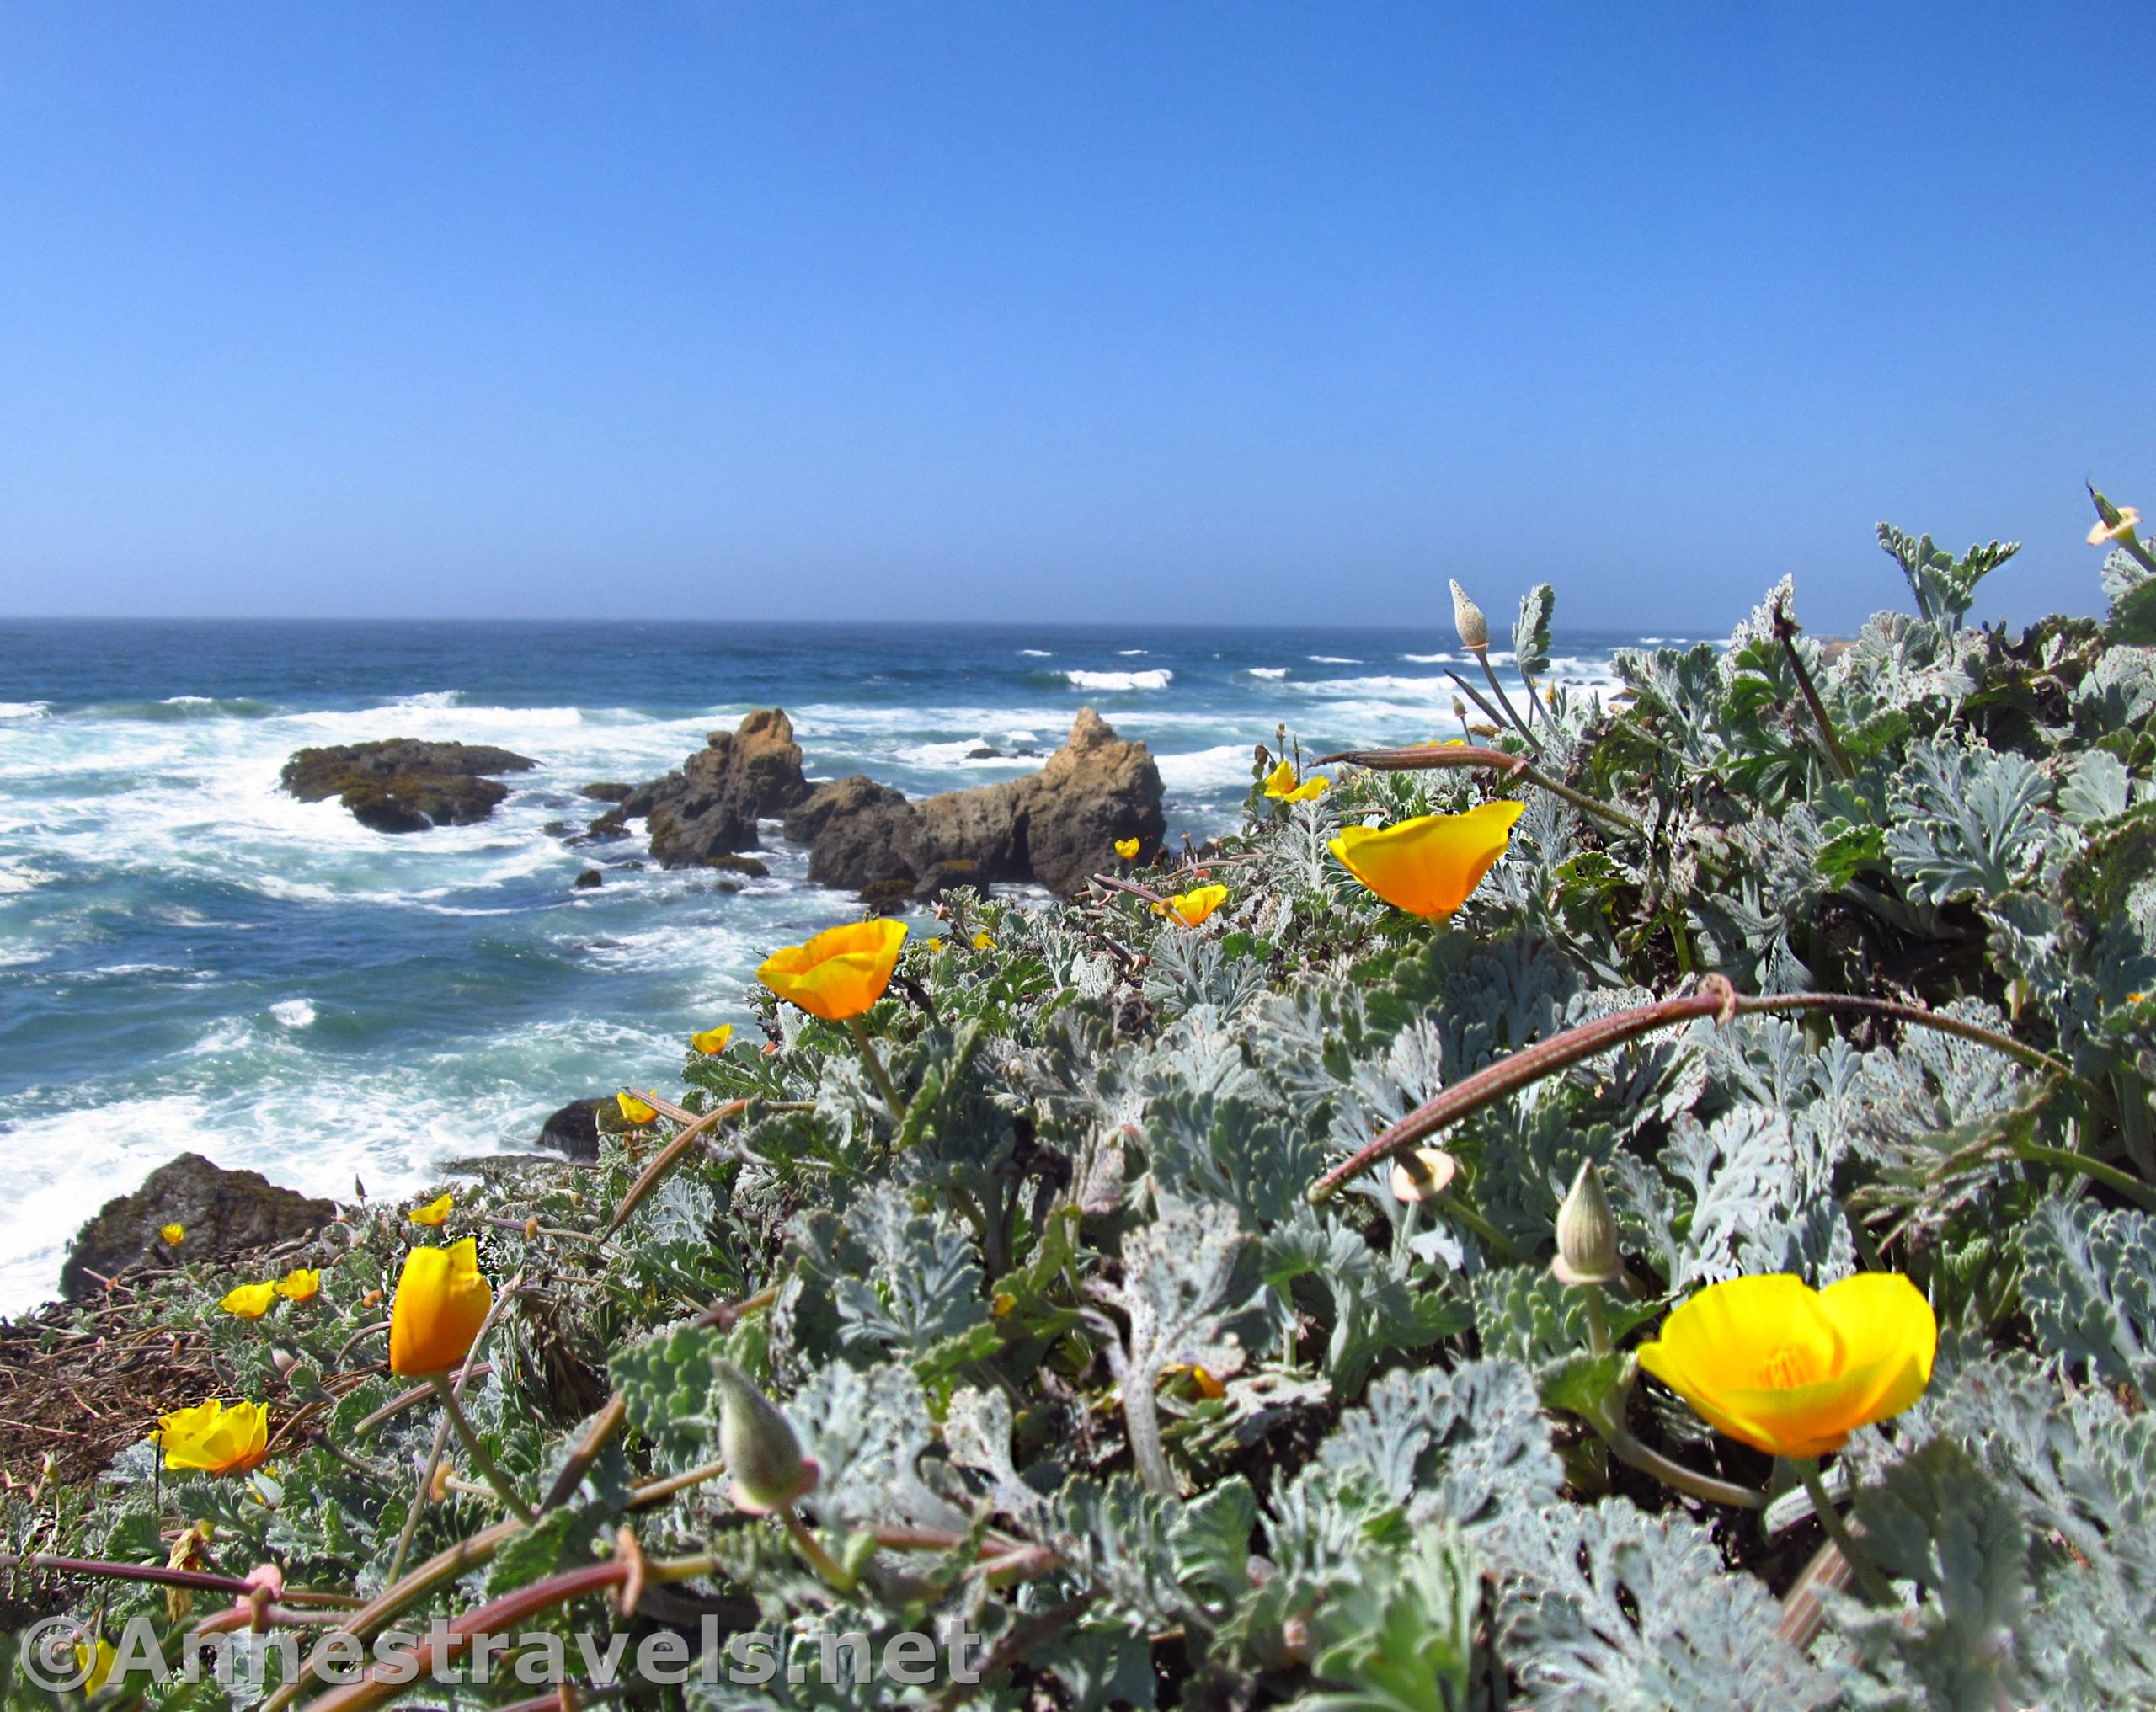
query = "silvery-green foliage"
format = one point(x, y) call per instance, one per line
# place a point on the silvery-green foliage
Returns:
point(1969, 821)
point(1463, 1445)
point(1900, 670)
point(2089, 1279)
point(1944, 586)
point(1603, 1608)
point(865, 1429)
point(2120, 690)
point(1531, 629)
point(1401, 1637)
point(1202, 1147)
point(1187, 969)
point(903, 1277)
point(1936, 1520)
point(1188, 1278)
point(2123, 573)
point(2097, 787)
point(1120, 1538)
point(1733, 1180)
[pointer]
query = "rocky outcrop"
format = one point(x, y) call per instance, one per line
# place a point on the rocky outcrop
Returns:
point(574, 1130)
point(225, 1212)
point(401, 784)
point(1055, 827)
point(710, 807)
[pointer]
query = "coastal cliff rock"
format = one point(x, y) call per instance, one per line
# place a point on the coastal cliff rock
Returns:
point(225, 1212)
point(1055, 826)
point(709, 807)
point(401, 784)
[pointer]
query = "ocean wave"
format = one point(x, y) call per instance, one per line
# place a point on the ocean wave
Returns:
point(1430, 659)
point(959, 754)
point(24, 710)
point(173, 709)
point(1396, 689)
point(1274, 674)
point(294, 1013)
point(1036, 653)
point(14, 876)
point(1335, 660)
point(1130, 652)
point(1218, 768)
point(1157, 678)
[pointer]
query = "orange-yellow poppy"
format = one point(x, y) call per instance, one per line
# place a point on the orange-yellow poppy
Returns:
point(1193, 907)
point(301, 1284)
point(712, 1040)
point(249, 1301)
point(1127, 849)
point(441, 1302)
point(214, 1439)
point(1427, 865)
point(435, 1213)
point(1794, 1371)
point(840, 972)
point(1282, 784)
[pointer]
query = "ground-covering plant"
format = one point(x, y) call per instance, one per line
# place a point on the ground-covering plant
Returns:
point(1239, 1289)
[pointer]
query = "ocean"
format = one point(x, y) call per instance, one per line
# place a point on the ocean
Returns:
point(192, 960)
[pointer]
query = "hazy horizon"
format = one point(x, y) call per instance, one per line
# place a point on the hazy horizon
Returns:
point(1062, 313)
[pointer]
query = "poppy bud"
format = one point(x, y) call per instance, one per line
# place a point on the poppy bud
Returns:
point(1467, 620)
point(1586, 1232)
point(759, 1445)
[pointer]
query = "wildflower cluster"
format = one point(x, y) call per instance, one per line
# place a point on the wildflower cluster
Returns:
point(1649, 1204)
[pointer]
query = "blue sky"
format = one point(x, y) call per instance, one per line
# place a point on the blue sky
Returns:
point(1048, 311)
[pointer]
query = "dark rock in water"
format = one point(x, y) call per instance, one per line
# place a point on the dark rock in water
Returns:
point(612, 824)
point(587, 879)
point(559, 828)
point(711, 807)
point(225, 1211)
point(1055, 826)
point(858, 832)
point(887, 896)
point(401, 784)
point(574, 1130)
point(607, 793)
point(942, 876)
point(755, 869)
point(983, 754)
point(627, 865)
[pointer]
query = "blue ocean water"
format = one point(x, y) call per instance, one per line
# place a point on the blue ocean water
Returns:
point(189, 959)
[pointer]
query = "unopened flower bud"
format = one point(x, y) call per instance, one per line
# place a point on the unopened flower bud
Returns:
point(759, 1445)
point(1586, 1233)
point(1467, 620)
point(1427, 1171)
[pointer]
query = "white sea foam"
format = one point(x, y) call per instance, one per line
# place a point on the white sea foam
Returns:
point(17, 877)
point(1335, 660)
point(1130, 652)
point(1272, 673)
point(294, 1013)
point(1214, 769)
point(24, 710)
point(1158, 678)
point(1036, 653)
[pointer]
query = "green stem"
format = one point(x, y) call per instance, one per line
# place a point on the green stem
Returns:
point(1876, 1587)
point(1452, 1208)
point(882, 1076)
point(1624, 1447)
point(477, 1451)
point(418, 1502)
point(1585, 804)
point(2108, 1175)
point(812, 1550)
point(1505, 701)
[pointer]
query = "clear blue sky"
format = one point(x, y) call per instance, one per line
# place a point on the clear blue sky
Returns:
point(1043, 310)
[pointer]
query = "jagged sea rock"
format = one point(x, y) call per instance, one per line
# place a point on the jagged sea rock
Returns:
point(710, 807)
point(224, 1212)
point(402, 784)
point(1054, 826)
point(607, 791)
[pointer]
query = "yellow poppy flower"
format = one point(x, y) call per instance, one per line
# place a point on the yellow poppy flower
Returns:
point(1127, 849)
point(301, 1284)
point(214, 1439)
point(840, 972)
point(634, 1111)
point(983, 941)
point(435, 1213)
point(935, 945)
point(249, 1301)
point(1794, 1371)
point(1281, 783)
point(712, 1040)
point(95, 1662)
point(441, 1300)
point(173, 1235)
point(1428, 865)
point(1193, 907)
